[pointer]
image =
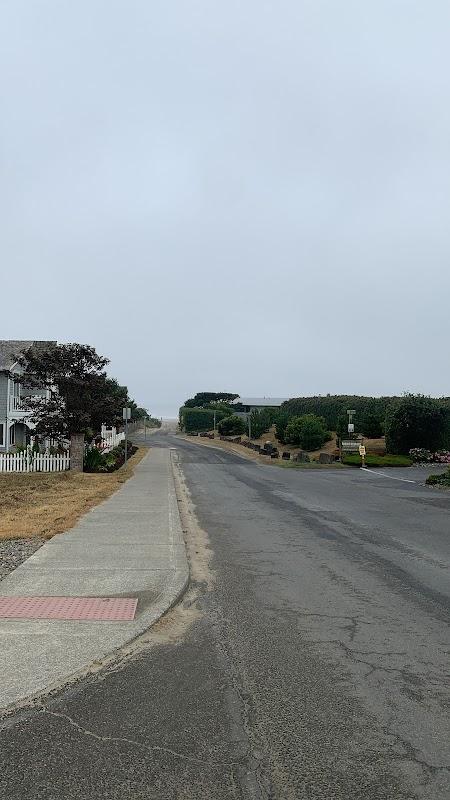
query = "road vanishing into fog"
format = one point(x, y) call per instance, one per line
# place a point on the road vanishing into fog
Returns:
point(308, 659)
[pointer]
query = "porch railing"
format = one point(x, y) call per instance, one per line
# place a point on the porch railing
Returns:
point(17, 403)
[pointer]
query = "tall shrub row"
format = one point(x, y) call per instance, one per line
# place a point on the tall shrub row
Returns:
point(193, 420)
point(333, 408)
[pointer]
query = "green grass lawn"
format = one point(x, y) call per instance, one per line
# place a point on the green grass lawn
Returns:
point(354, 460)
point(306, 465)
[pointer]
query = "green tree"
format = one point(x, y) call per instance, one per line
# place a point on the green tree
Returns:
point(281, 423)
point(308, 431)
point(416, 421)
point(203, 399)
point(81, 396)
point(261, 421)
point(371, 426)
point(232, 426)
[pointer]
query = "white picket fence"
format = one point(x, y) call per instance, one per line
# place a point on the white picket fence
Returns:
point(30, 461)
point(34, 462)
point(110, 439)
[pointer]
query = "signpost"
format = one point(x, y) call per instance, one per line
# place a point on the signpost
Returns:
point(351, 426)
point(126, 415)
point(362, 453)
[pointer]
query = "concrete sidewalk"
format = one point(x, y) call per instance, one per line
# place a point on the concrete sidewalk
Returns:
point(129, 546)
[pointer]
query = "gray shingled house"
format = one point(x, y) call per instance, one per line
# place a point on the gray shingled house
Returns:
point(15, 423)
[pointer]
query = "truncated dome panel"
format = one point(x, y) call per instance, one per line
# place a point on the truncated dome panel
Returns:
point(113, 609)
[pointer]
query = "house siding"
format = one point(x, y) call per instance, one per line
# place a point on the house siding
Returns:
point(3, 396)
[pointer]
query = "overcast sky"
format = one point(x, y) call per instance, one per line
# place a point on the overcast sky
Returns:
point(241, 196)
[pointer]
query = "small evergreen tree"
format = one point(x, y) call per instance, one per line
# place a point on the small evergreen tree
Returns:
point(307, 431)
point(232, 426)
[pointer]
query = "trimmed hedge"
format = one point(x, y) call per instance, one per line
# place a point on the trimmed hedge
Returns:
point(194, 420)
point(333, 407)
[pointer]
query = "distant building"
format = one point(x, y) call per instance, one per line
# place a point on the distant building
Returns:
point(258, 403)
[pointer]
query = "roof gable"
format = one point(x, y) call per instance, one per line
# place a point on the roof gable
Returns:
point(11, 350)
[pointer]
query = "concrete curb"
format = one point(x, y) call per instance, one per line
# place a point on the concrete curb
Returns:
point(38, 656)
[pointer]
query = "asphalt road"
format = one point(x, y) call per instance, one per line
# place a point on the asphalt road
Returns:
point(308, 660)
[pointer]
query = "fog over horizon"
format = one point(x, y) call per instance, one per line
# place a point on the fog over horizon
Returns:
point(235, 197)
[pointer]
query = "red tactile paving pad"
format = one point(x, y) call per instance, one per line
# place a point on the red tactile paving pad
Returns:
point(113, 609)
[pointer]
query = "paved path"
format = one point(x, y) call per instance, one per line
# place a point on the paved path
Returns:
point(309, 664)
point(129, 546)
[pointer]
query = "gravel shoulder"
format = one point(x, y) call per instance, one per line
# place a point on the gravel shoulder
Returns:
point(13, 552)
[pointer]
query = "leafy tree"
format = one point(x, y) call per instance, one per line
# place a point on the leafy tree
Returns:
point(139, 413)
point(203, 399)
point(308, 431)
point(81, 395)
point(371, 426)
point(281, 423)
point(108, 400)
point(261, 420)
point(232, 426)
point(224, 407)
point(342, 426)
point(416, 421)
point(153, 422)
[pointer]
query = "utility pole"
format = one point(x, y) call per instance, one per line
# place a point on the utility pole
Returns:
point(249, 427)
point(214, 423)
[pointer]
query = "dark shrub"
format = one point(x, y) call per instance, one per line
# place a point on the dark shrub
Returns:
point(332, 407)
point(232, 426)
point(307, 431)
point(371, 426)
point(96, 461)
point(194, 420)
point(416, 421)
point(261, 421)
point(281, 422)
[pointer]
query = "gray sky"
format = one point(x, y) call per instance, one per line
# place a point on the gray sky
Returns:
point(241, 196)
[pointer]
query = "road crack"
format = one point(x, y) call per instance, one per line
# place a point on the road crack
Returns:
point(140, 745)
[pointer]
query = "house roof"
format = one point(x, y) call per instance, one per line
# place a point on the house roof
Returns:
point(264, 402)
point(11, 350)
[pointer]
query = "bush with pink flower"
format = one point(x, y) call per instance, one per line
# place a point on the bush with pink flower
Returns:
point(420, 455)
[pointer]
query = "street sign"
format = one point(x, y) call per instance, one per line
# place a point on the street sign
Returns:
point(362, 450)
point(349, 446)
point(126, 413)
point(351, 427)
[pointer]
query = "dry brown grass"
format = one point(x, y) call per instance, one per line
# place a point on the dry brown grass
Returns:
point(48, 503)
point(372, 445)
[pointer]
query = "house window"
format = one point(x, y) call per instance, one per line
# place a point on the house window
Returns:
point(12, 434)
point(2, 434)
